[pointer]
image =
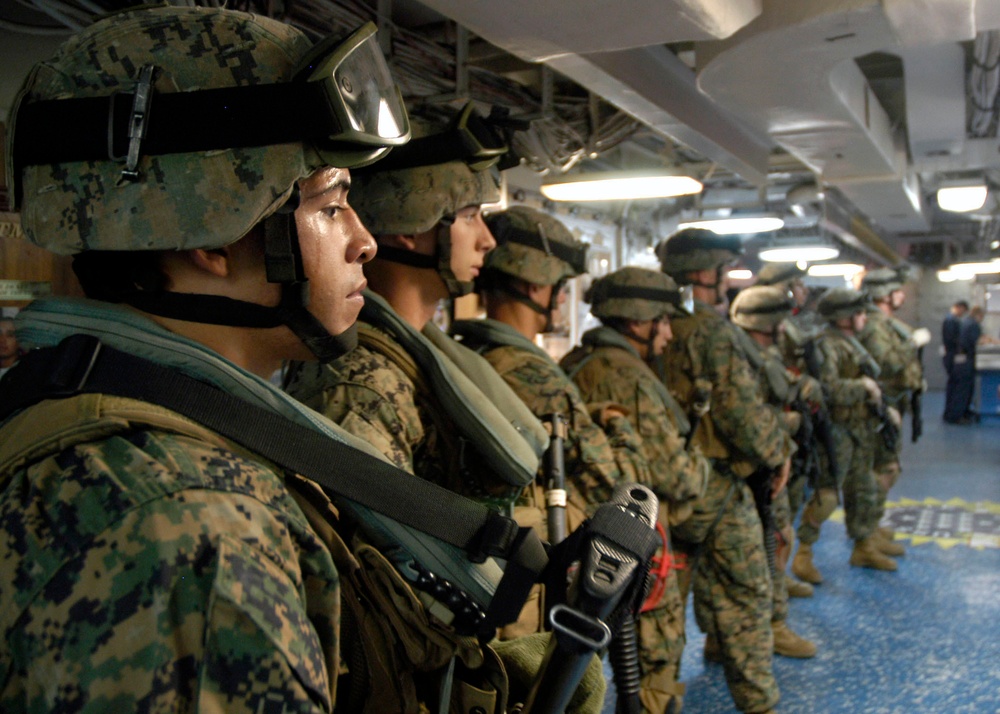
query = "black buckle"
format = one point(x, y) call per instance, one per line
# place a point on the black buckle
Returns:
point(142, 100)
point(73, 360)
point(496, 538)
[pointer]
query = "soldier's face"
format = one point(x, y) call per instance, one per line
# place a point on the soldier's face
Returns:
point(858, 321)
point(471, 240)
point(799, 292)
point(334, 246)
point(663, 335)
point(8, 340)
point(896, 299)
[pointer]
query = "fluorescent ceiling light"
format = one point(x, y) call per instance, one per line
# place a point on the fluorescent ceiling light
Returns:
point(808, 253)
point(618, 186)
point(976, 268)
point(831, 270)
point(949, 276)
point(740, 274)
point(736, 224)
point(961, 199)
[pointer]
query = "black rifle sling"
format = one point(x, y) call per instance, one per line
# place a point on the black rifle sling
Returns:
point(82, 364)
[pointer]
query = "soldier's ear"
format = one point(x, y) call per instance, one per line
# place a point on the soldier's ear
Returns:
point(214, 261)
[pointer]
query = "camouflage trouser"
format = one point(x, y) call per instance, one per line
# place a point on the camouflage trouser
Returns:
point(782, 515)
point(732, 590)
point(856, 451)
point(796, 494)
point(887, 468)
point(661, 644)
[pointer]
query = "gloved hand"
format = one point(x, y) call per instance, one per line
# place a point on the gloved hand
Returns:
point(780, 478)
point(793, 421)
point(894, 417)
point(522, 658)
point(811, 391)
point(920, 337)
point(874, 391)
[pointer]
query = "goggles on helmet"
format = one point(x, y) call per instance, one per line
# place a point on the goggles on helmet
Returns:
point(469, 138)
point(342, 102)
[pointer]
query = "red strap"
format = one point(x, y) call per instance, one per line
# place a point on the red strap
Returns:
point(662, 564)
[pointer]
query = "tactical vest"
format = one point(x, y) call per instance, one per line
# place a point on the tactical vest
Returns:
point(391, 644)
point(493, 442)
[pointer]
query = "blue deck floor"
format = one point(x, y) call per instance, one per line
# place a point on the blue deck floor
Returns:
point(923, 639)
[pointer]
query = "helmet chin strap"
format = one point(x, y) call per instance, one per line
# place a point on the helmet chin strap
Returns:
point(439, 260)
point(646, 342)
point(718, 281)
point(499, 281)
point(283, 261)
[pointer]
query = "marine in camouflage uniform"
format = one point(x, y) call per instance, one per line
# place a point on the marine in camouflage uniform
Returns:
point(757, 312)
point(850, 395)
point(145, 562)
point(724, 537)
point(612, 365)
point(894, 346)
point(600, 445)
point(432, 243)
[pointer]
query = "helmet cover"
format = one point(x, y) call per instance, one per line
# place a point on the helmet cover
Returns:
point(186, 200)
point(529, 246)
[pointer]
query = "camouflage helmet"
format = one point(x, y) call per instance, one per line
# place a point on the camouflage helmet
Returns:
point(634, 293)
point(779, 274)
point(534, 246)
point(840, 303)
point(413, 192)
point(760, 307)
point(193, 198)
point(695, 249)
point(880, 283)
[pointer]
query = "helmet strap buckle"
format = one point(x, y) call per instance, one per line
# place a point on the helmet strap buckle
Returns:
point(142, 101)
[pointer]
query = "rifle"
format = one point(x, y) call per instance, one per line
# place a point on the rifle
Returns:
point(555, 479)
point(805, 461)
point(888, 430)
point(821, 420)
point(613, 549)
point(760, 485)
point(916, 405)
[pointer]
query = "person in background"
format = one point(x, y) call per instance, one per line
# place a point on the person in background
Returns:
point(895, 347)
point(723, 538)
point(970, 336)
point(951, 327)
point(10, 351)
point(612, 364)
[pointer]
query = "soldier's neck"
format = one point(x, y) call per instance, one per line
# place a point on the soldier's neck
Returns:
point(413, 293)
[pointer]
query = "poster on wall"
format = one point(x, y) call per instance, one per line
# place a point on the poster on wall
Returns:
point(23, 289)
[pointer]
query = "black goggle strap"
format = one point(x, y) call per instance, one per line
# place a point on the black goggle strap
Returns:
point(469, 138)
point(100, 128)
point(632, 292)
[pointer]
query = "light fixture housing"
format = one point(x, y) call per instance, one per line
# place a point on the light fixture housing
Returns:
point(794, 254)
point(835, 270)
point(731, 225)
point(620, 186)
point(962, 199)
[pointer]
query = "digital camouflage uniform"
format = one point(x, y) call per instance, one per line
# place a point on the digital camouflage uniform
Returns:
point(596, 459)
point(732, 587)
point(855, 432)
point(146, 563)
point(607, 368)
point(155, 566)
point(889, 342)
point(381, 393)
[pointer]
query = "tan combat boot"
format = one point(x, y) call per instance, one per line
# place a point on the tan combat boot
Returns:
point(803, 567)
point(886, 532)
point(789, 644)
point(887, 546)
point(797, 588)
point(867, 555)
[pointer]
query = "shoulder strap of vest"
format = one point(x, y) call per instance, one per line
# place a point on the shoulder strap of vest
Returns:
point(480, 404)
point(81, 364)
